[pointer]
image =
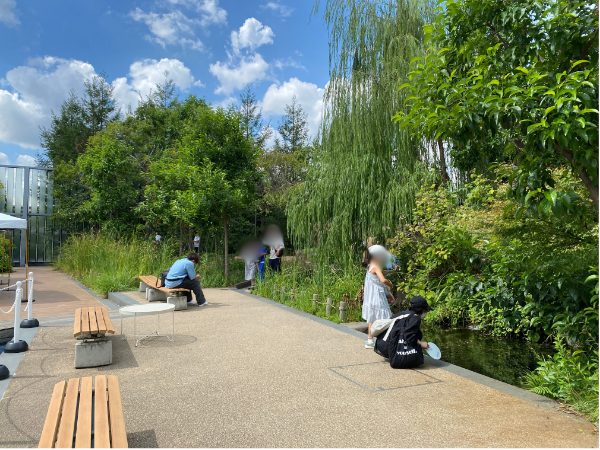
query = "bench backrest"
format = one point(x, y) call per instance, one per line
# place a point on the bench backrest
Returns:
point(92, 321)
point(92, 407)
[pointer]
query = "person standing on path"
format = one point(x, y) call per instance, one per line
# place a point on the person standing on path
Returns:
point(182, 274)
point(376, 293)
point(196, 244)
point(274, 239)
point(157, 239)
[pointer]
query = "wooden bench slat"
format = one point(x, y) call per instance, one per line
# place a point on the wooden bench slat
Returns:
point(93, 321)
point(69, 411)
point(77, 323)
point(85, 321)
point(52, 421)
point(83, 437)
point(100, 319)
point(101, 429)
point(110, 328)
point(115, 408)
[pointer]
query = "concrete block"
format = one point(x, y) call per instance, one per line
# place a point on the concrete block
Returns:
point(153, 295)
point(93, 353)
point(143, 286)
point(179, 301)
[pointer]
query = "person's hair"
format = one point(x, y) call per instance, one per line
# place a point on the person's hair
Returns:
point(367, 258)
point(418, 305)
point(194, 257)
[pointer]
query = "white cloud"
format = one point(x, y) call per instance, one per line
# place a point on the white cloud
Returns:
point(30, 93)
point(278, 7)
point(26, 160)
point(211, 12)
point(178, 28)
point(283, 63)
point(252, 34)
point(234, 77)
point(20, 120)
point(4, 158)
point(308, 95)
point(145, 75)
point(8, 13)
point(173, 28)
point(36, 90)
point(47, 81)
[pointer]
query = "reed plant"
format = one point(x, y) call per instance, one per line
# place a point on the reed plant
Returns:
point(108, 263)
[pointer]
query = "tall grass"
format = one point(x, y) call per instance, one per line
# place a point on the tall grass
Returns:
point(107, 263)
point(297, 283)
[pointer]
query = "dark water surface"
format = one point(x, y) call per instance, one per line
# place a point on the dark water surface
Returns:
point(504, 359)
point(6, 334)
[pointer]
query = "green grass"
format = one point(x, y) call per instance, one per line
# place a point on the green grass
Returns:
point(297, 283)
point(106, 263)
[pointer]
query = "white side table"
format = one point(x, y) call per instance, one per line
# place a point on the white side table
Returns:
point(148, 309)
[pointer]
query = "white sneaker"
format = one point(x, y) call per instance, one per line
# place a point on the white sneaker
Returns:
point(203, 304)
point(370, 343)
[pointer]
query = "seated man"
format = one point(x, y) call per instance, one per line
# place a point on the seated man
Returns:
point(182, 275)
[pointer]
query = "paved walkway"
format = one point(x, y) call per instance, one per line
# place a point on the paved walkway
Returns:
point(243, 372)
point(55, 294)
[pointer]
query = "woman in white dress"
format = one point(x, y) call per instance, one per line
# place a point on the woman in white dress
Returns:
point(376, 292)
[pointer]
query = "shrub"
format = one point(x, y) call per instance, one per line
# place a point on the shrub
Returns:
point(484, 258)
point(5, 254)
point(107, 263)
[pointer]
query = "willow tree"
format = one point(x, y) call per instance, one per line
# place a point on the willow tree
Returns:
point(363, 177)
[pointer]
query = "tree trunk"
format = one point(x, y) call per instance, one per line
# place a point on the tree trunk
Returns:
point(443, 166)
point(591, 187)
point(226, 249)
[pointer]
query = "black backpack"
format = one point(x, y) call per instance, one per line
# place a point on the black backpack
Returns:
point(399, 345)
point(162, 278)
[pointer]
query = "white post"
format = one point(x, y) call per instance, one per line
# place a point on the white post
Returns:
point(17, 329)
point(30, 297)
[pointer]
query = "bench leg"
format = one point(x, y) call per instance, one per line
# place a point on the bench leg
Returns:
point(143, 286)
point(153, 295)
point(180, 301)
point(93, 353)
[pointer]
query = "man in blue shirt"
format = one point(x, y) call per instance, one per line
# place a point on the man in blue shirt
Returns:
point(183, 275)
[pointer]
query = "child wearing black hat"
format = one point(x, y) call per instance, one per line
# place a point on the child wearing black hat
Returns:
point(403, 343)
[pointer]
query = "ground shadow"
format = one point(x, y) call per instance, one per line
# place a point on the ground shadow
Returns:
point(193, 307)
point(142, 439)
point(161, 341)
point(123, 356)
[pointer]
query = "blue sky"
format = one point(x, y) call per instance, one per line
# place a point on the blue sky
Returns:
point(210, 48)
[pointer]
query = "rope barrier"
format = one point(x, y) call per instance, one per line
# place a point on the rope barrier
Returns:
point(14, 303)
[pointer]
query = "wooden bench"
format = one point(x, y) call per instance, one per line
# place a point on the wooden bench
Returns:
point(153, 282)
point(156, 293)
point(90, 327)
point(85, 413)
point(92, 323)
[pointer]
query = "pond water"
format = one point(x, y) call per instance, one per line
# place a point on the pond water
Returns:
point(6, 334)
point(504, 359)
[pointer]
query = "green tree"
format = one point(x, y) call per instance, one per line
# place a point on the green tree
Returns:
point(508, 80)
point(362, 180)
point(207, 177)
point(99, 106)
point(251, 119)
point(293, 129)
point(111, 173)
point(66, 139)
